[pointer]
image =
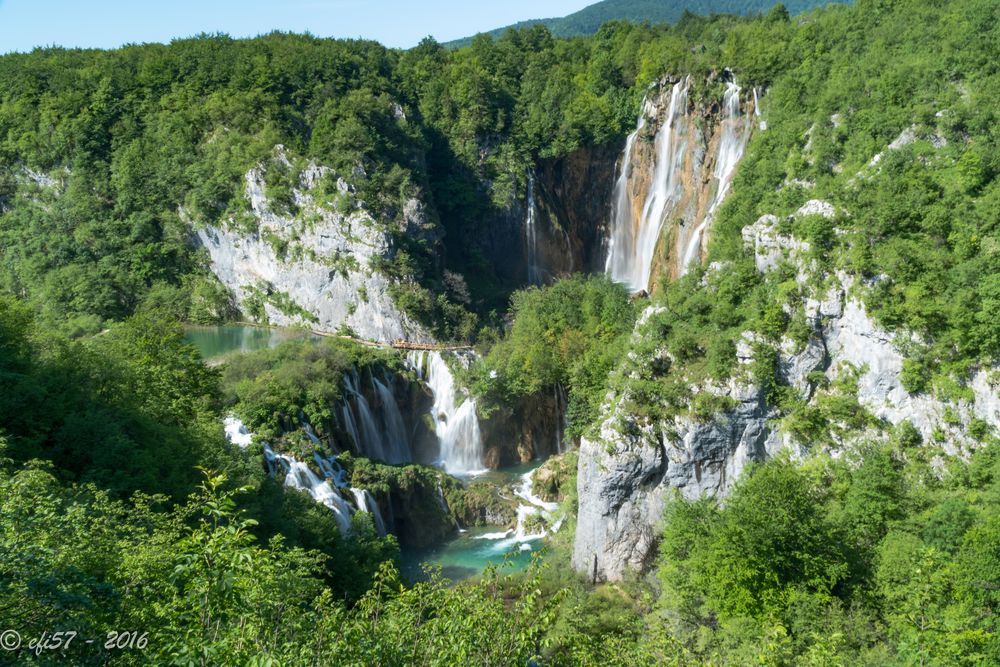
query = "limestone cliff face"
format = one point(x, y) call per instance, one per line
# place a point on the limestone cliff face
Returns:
point(573, 198)
point(317, 268)
point(627, 472)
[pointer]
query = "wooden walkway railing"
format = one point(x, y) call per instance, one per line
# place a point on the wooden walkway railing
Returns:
point(397, 344)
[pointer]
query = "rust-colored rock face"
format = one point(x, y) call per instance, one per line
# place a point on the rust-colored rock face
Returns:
point(674, 174)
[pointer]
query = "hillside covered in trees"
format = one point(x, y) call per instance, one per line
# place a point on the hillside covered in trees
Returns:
point(870, 173)
point(588, 20)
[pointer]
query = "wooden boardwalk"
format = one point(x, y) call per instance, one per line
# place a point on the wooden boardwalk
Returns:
point(397, 344)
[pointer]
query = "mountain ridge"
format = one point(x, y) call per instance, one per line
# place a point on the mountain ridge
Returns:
point(589, 19)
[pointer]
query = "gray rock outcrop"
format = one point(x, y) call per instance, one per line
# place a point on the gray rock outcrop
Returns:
point(316, 268)
point(627, 473)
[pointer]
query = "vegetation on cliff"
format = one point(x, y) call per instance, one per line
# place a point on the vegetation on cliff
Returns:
point(887, 556)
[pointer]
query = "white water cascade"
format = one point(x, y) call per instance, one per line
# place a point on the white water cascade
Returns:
point(378, 434)
point(533, 506)
point(761, 123)
point(366, 503)
point(630, 253)
point(300, 476)
point(456, 425)
point(735, 130)
point(531, 234)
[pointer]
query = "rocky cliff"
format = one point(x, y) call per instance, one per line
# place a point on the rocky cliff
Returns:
point(628, 471)
point(318, 267)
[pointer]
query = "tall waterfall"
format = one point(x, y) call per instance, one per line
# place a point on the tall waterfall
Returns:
point(735, 133)
point(456, 425)
point(380, 433)
point(531, 234)
point(630, 255)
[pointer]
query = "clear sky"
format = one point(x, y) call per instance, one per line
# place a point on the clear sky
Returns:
point(25, 24)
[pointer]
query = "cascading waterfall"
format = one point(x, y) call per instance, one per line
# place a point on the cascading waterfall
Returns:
point(456, 426)
point(236, 432)
point(378, 434)
point(630, 254)
point(735, 133)
point(300, 476)
point(366, 503)
point(533, 506)
point(531, 234)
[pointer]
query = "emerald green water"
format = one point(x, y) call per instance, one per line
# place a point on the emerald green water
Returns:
point(473, 550)
point(468, 555)
point(220, 341)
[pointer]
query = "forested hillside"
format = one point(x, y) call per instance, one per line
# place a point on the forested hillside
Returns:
point(782, 453)
point(588, 20)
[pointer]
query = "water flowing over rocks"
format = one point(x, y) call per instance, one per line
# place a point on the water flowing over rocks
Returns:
point(670, 185)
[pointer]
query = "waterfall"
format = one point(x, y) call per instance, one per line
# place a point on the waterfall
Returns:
point(761, 123)
point(366, 503)
point(236, 432)
point(630, 255)
point(533, 506)
point(300, 476)
point(531, 234)
point(396, 444)
point(456, 426)
point(735, 133)
point(377, 434)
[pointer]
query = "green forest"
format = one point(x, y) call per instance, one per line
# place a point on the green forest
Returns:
point(589, 20)
point(123, 506)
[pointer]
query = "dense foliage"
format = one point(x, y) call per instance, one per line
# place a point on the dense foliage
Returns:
point(874, 560)
point(568, 335)
point(888, 555)
point(110, 158)
point(588, 20)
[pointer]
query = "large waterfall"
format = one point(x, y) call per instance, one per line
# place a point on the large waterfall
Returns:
point(378, 433)
point(633, 240)
point(735, 131)
point(692, 170)
point(456, 425)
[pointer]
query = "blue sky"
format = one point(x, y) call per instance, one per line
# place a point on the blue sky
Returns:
point(25, 24)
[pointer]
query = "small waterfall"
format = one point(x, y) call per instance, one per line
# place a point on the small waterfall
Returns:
point(236, 432)
point(378, 434)
point(735, 133)
point(396, 444)
point(300, 476)
point(631, 249)
point(534, 506)
point(366, 503)
point(761, 123)
point(456, 426)
point(531, 234)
